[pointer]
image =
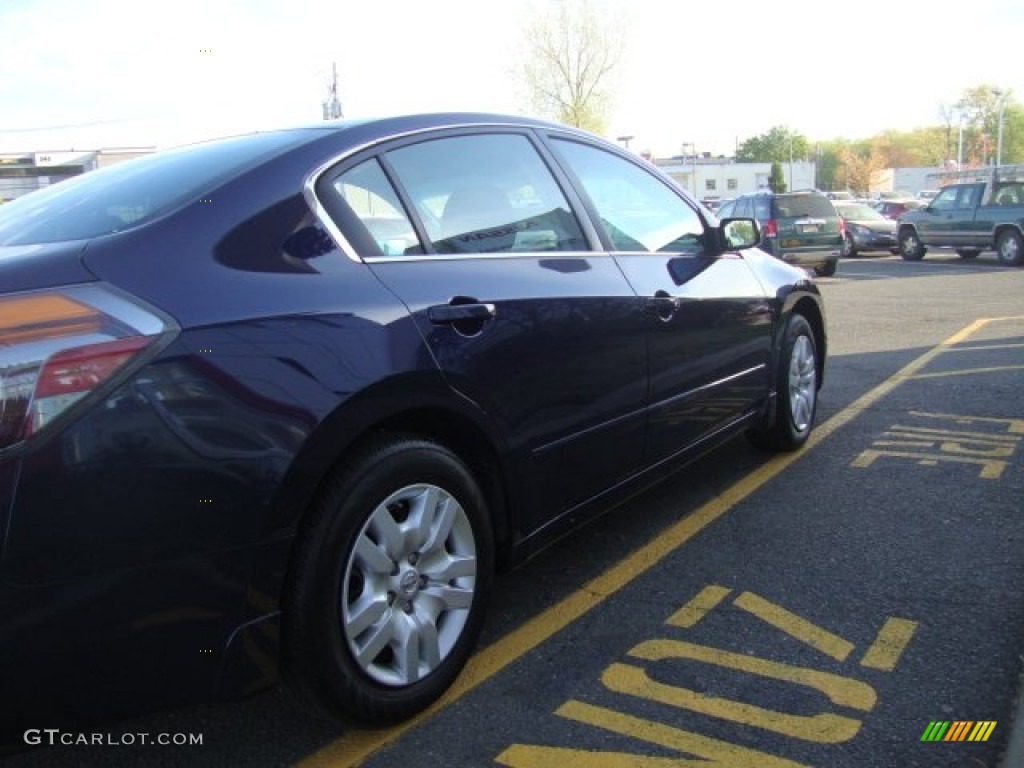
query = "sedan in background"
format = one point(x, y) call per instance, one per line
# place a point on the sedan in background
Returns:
point(893, 209)
point(288, 400)
point(866, 230)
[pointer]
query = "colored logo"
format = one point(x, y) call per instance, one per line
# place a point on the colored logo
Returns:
point(958, 730)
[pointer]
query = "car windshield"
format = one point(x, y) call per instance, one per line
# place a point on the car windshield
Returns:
point(802, 206)
point(128, 194)
point(859, 213)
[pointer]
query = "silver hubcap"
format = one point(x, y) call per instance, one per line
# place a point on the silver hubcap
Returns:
point(803, 378)
point(408, 585)
point(1010, 249)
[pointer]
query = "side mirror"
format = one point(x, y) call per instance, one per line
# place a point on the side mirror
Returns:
point(737, 234)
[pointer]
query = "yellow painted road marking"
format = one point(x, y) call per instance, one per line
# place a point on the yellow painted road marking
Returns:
point(892, 640)
point(354, 746)
point(925, 432)
point(822, 728)
point(1013, 426)
point(986, 347)
point(718, 754)
point(795, 626)
point(968, 372)
point(695, 610)
point(844, 691)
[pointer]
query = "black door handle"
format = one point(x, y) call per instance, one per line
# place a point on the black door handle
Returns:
point(445, 314)
point(665, 304)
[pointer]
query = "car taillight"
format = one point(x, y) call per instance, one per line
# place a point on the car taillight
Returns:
point(58, 346)
point(842, 226)
point(770, 228)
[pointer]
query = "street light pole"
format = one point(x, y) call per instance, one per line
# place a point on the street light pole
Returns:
point(999, 139)
point(790, 162)
point(693, 148)
point(1001, 95)
point(960, 139)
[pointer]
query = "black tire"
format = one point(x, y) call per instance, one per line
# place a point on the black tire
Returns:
point(340, 601)
point(967, 253)
point(827, 269)
point(910, 245)
point(1010, 248)
point(796, 395)
point(849, 246)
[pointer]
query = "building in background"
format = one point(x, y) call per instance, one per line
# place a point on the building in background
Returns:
point(24, 172)
point(719, 178)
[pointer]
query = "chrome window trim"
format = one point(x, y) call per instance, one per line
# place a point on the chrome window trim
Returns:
point(486, 256)
point(309, 191)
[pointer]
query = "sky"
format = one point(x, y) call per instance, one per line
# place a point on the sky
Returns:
point(89, 74)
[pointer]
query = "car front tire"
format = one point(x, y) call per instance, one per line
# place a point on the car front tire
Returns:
point(389, 581)
point(796, 382)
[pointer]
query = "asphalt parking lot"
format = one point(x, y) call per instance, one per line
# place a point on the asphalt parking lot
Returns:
point(860, 603)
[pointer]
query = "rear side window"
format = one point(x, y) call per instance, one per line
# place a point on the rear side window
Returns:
point(371, 198)
point(486, 193)
point(802, 207)
point(129, 194)
point(638, 211)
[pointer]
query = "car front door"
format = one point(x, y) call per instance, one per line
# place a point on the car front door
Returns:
point(475, 235)
point(949, 218)
point(708, 318)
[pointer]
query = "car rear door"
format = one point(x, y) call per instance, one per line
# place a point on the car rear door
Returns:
point(472, 231)
point(707, 317)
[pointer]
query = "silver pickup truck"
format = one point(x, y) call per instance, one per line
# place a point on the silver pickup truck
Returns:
point(971, 218)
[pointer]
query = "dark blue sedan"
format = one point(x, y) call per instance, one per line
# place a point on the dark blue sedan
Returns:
point(287, 401)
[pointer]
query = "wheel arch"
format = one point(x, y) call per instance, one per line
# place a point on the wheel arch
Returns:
point(430, 411)
point(809, 305)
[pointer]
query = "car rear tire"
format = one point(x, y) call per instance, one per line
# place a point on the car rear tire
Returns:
point(1010, 248)
point(796, 383)
point(967, 253)
point(849, 247)
point(910, 245)
point(388, 585)
point(827, 269)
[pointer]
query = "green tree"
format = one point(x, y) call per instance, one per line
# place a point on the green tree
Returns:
point(777, 180)
point(571, 52)
point(777, 145)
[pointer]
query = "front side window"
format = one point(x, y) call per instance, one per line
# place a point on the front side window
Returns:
point(638, 211)
point(486, 193)
point(946, 199)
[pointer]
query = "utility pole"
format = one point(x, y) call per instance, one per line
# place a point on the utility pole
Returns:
point(332, 106)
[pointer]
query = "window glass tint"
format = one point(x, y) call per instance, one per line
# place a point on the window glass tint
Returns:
point(486, 194)
point(859, 212)
point(374, 202)
point(762, 208)
point(802, 207)
point(639, 212)
point(743, 209)
point(946, 199)
point(131, 193)
point(725, 210)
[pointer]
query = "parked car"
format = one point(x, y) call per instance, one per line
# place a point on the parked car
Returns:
point(970, 218)
point(893, 209)
point(865, 229)
point(296, 395)
point(799, 228)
